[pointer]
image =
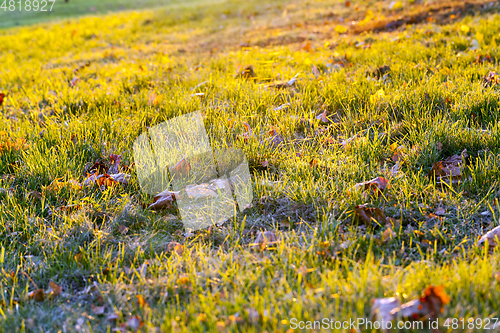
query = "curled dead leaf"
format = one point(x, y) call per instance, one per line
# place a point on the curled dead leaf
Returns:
point(122, 229)
point(181, 168)
point(370, 214)
point(97, 310)
point(245, 71)
point(283, 84)
point(449, 170)
point(121, 178)
point(164, 200)
point(429, 306)
point(135, 322)
point(264, 239)
point(492, 236)
point(175, 247)
point(141, 301)
point(38, 295)
point(378, 184)
point(56, 290)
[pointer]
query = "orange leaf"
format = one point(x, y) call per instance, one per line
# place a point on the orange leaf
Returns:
point(56, 290)
point(176, 247)
point(141, 301)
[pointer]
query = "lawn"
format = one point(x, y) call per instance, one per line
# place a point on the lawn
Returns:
point(381, 91)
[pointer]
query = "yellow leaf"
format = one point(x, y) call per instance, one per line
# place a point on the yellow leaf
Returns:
point(480, 38)
point(395, 5)
point(465, 28)
point(340, 29)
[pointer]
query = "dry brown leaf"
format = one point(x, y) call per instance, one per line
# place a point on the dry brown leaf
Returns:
point(378, 184)
point(122, 229)
point(283, 84)
point(164, 200)
point(428, 306)
point(388, 234)
point(97, 310)
point(369, 214)
point(323, 117)
point(202, 191)
point(181, 168)
point(35, 195)
point(121, 178)
point(491, 236)
point(38, 295)
point(90, 180)
point(135, 322)
point(57, 185)
point(245, 71)
point(253, 314)
point(382, 307)
point(113, 317)
point(175, 247)
point(315, 71)
point(449, 170)
point(56, 290)
point(264, 239)
point(440, 211)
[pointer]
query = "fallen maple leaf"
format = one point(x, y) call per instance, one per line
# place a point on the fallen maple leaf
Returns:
point(492, 236)
point(2, 98)
point(369, 214)
point(105, 181)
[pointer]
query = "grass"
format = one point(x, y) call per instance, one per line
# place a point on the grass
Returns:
point(144, 68)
